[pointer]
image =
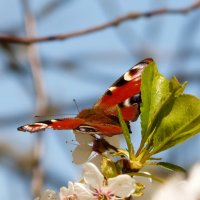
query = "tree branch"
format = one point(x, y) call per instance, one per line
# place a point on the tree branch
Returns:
point(41, 98)
point(130, 16)
point(34, 60)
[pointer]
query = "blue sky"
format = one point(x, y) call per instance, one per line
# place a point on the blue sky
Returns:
point(82, 68)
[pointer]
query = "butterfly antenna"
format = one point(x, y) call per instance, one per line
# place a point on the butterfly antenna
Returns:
point(74, 100)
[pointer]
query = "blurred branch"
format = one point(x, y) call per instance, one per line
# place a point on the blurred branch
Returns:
point(24, 163)
point(41, 97)
point(49, 8)
point(37, 172)
point(44, 12)
point(34, 60)
point(130, 16)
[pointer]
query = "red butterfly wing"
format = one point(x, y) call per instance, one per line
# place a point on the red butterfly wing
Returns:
point(125, 92)
point(57, 124)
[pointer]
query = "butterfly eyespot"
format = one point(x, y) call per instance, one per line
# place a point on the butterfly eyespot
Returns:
point(136, 99)
point(86, 129)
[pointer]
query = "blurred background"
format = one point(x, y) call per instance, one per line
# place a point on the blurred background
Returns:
point(44, 78)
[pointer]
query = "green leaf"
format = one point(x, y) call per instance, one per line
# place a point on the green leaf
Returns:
point(171, 166)
point(126, 134)
point(156, 91)
point(108, 167)
point(120, 152)
point(181, 123)
point(147, 84)
point(158, 94)
point(152, 158)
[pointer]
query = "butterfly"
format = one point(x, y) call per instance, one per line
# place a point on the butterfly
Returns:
point(102, 118)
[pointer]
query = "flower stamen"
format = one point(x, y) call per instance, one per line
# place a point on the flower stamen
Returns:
point(103, 194)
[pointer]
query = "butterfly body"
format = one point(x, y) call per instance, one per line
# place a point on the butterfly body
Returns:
point(102, 118)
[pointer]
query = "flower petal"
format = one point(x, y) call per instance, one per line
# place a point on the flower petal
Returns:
point(114, 140)
point(48, 195)
point(82, 191)
point(92, 175)
point(173, 189)
point(66, 192)
point(95, 159)
point(83, 138)
point(122, 185)
point(81, 154)
point(71, 187)
point(180, 188)
point(193, 181)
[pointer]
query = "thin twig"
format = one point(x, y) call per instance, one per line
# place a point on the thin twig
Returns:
point(130, 16)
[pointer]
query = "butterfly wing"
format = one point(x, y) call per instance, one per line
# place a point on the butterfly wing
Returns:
point(76, 124)
point(57, 124)
point(125, 92)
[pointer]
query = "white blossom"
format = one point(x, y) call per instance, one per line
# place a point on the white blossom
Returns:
point(179, 188)
point(75, 191)
point(118, 187)
point(84, 151)
point(67, 192)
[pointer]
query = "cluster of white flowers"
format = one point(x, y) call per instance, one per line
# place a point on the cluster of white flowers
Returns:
point(94, 186)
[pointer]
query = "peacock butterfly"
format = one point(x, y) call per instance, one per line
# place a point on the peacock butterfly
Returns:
point(102, 118)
